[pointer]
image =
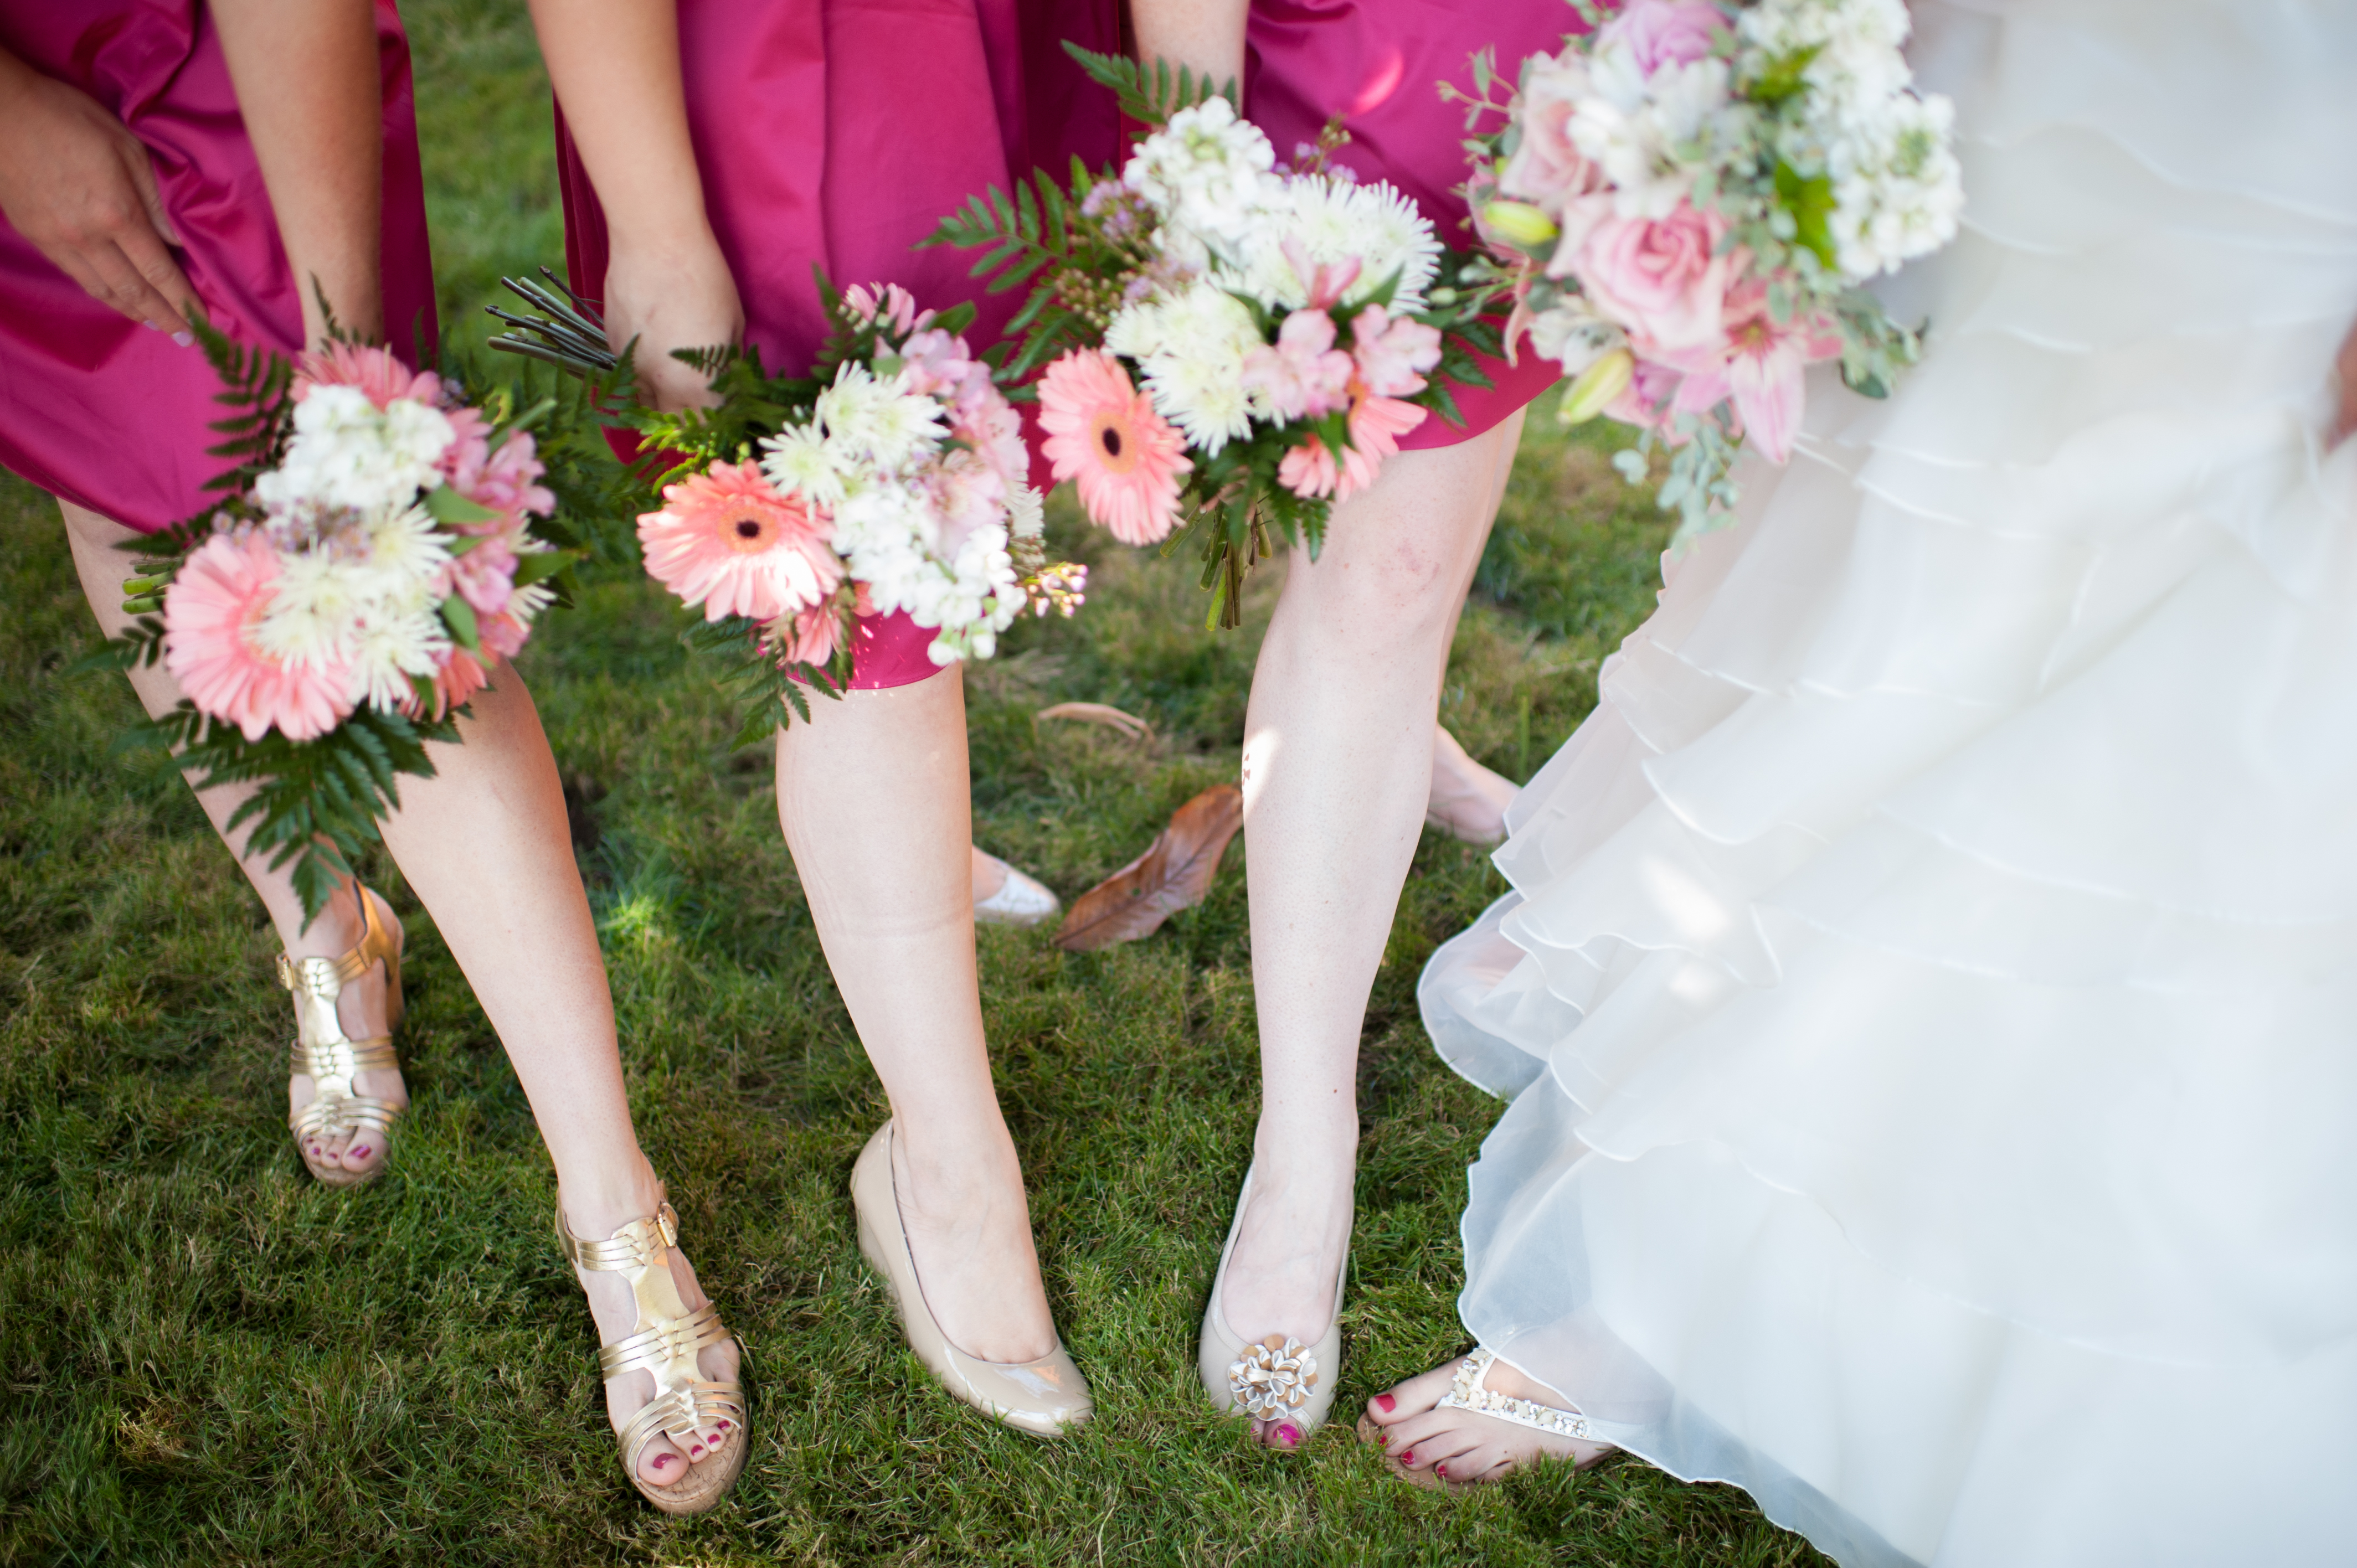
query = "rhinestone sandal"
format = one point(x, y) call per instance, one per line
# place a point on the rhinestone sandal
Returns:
point(1469, 1390)
point(665, 1343)
point(334, 1062)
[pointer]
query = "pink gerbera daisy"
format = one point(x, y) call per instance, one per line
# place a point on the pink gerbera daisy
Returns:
point(374, 371)
point(726, 538)
point(210, 613)
point(1104, 432)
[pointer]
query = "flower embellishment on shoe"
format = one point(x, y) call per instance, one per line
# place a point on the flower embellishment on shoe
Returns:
point(1274, 1377)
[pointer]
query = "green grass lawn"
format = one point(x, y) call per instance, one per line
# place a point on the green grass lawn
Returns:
point(209, 1358)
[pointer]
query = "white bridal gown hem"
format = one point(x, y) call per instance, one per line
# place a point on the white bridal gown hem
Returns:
point(1929, 996)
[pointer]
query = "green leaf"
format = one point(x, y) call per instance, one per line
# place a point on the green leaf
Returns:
point(1809, 200)
point(447, 506)
point(538, 565)
point(459, 617)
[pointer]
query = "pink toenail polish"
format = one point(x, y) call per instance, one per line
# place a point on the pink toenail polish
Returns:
point(724, 1426)
point(1441, 1470)
point(1290, 1434)
point(361, 1153)
point(661, 1460)
point(1386, 1402)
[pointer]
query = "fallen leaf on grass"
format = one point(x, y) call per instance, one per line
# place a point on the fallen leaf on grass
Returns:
point(1103, 713)
point(1173, 873)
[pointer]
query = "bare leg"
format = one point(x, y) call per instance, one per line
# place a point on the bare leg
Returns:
point(484, 845)
point(1467, 799)
point(873, 795)
point(1343, 710)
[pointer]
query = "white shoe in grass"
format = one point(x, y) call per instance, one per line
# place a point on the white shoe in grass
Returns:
point(1020, 901)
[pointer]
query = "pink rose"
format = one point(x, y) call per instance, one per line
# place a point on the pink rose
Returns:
point(1658, 33)
point(1659, 277)
point(1547, 171)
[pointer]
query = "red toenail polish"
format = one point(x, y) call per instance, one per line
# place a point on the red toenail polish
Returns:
point(361, 1153)
point(1408, 1457)
point(1441, 1470)
point(661, 1460)
point(1386, 1402)
point(724, 1426)
point(1291, 1433)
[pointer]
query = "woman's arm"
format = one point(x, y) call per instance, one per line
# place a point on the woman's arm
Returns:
point(79, 185)
point(615, 65)
point(1208, 35)
point(306, 74)
point(2345, 376)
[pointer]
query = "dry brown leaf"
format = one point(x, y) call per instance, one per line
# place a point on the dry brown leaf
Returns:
point(1103, 713)
point(1173, 873)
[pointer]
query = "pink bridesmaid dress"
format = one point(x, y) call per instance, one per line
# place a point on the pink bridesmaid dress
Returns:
point(838, 134)
point(96, 408)
point(1379, 64)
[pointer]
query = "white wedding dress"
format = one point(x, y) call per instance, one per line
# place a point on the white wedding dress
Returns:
point(1929, 993)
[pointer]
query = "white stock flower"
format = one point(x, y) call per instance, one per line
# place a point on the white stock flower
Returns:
point(1208, 173)
point(1857, 63)
point(348, 453)
point(1331, 221)
point(1191, 345)
point(1898, 189)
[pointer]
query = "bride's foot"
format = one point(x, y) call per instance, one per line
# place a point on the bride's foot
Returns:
point(364, 1010)
point(1287, 1266)
point(1428, 1440)
point(666, 1461)
point(968, 1223)
point(1468, 800)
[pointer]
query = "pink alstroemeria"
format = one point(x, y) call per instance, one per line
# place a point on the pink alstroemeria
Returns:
point(1765, 361)
point(932, 362)
point(1302, 374)
point(1325, 284)
point(885, 305)
point(1376, 425)
point(809, 636)
point(1392, 353)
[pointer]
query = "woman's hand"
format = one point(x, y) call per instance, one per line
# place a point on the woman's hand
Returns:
point(2344, 380)
point(680, 295)
point(76, 184)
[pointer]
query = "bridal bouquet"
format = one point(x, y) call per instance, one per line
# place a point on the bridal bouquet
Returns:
point(892, 477)
point(380, 547)
point(1220, 340)
point(1689, 197)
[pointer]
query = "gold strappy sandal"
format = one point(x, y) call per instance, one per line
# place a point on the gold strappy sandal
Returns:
point(333, 1062)
point(665, 1343)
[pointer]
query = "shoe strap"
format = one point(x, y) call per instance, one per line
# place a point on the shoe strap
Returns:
point(1469, 1390)
point(641, 1244)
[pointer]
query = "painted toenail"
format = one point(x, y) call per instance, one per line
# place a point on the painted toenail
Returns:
point(1441, 1469)
point(1408, 1457)
point(723, 1426)
point(361, 1153)
point(661, 1460)
point(1290, 1434)
point(1386, 1402)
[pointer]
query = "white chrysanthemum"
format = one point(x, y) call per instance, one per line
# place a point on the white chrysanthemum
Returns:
point(1191, 345)
point(387, 650)
point(529, 600)
point(320, 596)
point(1208, 174)
point(1331, 221)
point(403, 551)
point(1653, 153)
point(348, 453)
point(798, 461)
point(1898, 189)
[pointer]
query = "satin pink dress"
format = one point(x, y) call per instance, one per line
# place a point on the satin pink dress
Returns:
point(1379, 64)
point(838, 134)
point(96, 408)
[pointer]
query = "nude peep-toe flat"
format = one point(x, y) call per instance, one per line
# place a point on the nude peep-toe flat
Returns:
point(335, 1062)
point(1469, 1390)
point(1278, 1377)
point(1041, 1397)
point(665, 1343)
